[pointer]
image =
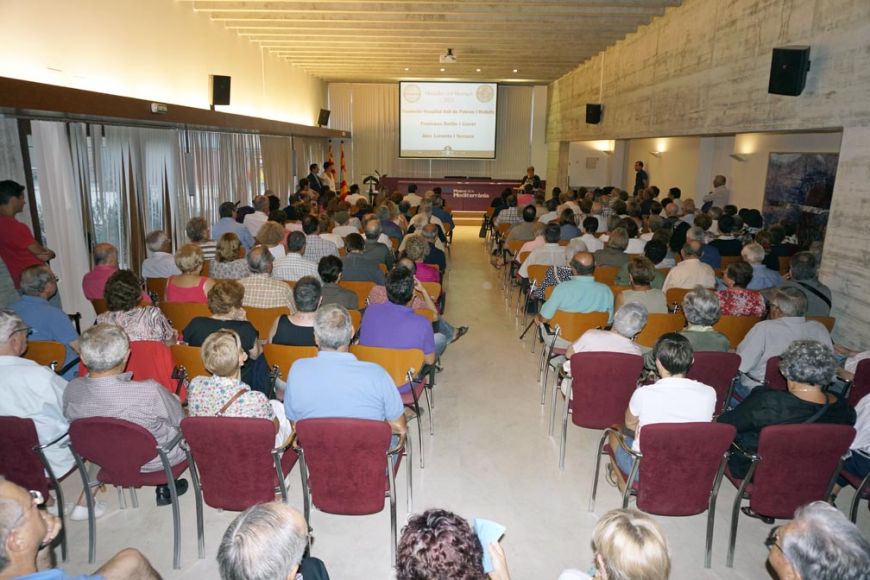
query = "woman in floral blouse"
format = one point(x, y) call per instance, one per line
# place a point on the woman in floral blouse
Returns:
point(230, 262)
point(123, 295)
point(223, 355)
point(735, 299)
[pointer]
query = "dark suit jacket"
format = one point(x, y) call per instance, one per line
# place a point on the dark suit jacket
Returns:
point(315, 183)
point(335, 294)
point(379, 253)
point(359, 268)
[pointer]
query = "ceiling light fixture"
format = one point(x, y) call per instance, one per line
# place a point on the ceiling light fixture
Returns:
point(738, 157)
point(477, 69)
point(443, 69)
point(407, 69)
point(515, 70)
point(656, 153)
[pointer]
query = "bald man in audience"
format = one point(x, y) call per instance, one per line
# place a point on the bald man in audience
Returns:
point(261, 290)
point(691, 271)
point(579, 294)
point(374, 250)
point(105, 264)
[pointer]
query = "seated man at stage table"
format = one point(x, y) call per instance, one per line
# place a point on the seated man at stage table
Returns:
point(579, 294)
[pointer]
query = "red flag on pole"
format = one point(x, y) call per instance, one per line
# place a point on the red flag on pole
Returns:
point(343, 189)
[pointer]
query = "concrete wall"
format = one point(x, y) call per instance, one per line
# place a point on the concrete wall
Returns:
point(159, 50)
point(702, 70)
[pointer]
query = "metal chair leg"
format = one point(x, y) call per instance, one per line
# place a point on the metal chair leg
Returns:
point(134, 498)
point(555, 398)
point(563, 441)
point(597, 471)
point(711, 512)
point(409, 473)
point(197, 495)
point(429, 410)
point(392, 480)
point(122, 499)
point(89, 497)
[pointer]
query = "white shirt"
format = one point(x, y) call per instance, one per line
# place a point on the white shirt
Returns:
point(413, 199)
point(353, 198)
point(328, 180)
point(31, 391)
point(253, 221)
point(862, 426)
point(342, 231)
point(160, 265)
point(720, 196)
point(690, 273)
point(278, 251)
point(575, 245)
point(548, 217)
point(334, 238)
point(546, 255)
point(671, 400)
point(770, 338)
point(292, 267)
point(593, 244)
point(635, 246)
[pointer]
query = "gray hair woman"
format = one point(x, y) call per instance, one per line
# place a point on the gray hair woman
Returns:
point(807, 366)
point(701, 308)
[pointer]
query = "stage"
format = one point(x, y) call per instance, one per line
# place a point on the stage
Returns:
point(464, 194)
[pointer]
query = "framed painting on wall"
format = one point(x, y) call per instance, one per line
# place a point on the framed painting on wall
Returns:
point(798, 191)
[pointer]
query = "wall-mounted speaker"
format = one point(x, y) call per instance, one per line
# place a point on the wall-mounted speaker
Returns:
point(788, 70)
point(593, 113)
point(220, 90)
point(323, 118)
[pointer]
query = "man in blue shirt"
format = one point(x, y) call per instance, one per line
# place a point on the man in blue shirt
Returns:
point(26, 533)
point(762, 276)
point(47, 322)
point(228, 224)
point(579, 294)
point(441, 213)
point(336, 384)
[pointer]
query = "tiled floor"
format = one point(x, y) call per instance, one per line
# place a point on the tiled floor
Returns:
point(490, 457)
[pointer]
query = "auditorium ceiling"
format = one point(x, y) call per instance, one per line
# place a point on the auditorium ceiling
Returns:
point(530, 41)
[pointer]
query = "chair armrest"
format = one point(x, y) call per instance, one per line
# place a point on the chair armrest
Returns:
point(290, 443)
point(620, 436)
point(400, 446)
point(53, 441)
point(735, 448)
point(171, 444)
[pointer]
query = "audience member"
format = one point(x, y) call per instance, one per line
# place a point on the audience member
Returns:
point(727, 243)
point(225, 304)
point(374, 250)
point(105, 264)
point(274, 236)
point(771, 337)
point(807, 366)
point(435, 255)
point(804, 276)
point(655, 252)
point(18, 248)
point(762, 276)
point(720, 196)
point(47, 322)
point(294, 266)
point(736, 299)
point(198, 234)
point(412, 198)
point(627, 545)
point(702, 310)
point(27, 533)
point(642, 275)
point(590, 227)
point(550, 254)
point(613, 253)
point(261, 290)
point(298, 328)
point(126, 310)
point(691, 271)
point(161, 264)
point(524, 230)
point(416, 249)
point(440, 213)
point(189, 286)
point(568, 229)
point(254, 221)
point(315, 246)
point(229, 263)
point(710, 255)
point(329, 269)
point(628, 321)
point(357, 266)
point(441, 544)
point(227, 224)
point(108, 391)
point(224, 394)
point(509, 215)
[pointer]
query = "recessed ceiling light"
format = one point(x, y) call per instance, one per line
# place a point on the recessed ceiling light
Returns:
point(477, 69)
point(442, 70)
point(515, 70)
point(407, 69)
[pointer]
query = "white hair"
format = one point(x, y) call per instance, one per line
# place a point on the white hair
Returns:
point(104, 346)
point(11, 514)
point(823, 545)
point(753, 253)
point(9, 321)
point(333, 327)
point(630, 319)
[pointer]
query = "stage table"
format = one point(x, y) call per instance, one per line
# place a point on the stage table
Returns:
point(467, 194)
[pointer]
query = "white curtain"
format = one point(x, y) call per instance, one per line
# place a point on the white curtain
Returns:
point(278, 165)
point(11, 163)
point(62, 209)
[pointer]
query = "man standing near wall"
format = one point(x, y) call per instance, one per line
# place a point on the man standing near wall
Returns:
point(719, 197)
point(641, 179)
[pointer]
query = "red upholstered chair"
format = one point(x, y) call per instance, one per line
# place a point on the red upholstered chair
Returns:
point(716, 369)
point(23, 462)
point(569, 326)
point(861, 489)
point(772, 377)
point(680, 468)
point(120, 448)
point(344, 468)
point(601, 388)
point(794, 465)
point(151, 359)
point(235, 464)
point(861, 383)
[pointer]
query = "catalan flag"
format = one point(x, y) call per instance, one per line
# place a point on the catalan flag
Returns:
point(343, 189)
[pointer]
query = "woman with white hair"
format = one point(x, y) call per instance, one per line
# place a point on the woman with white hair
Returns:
point(628, 322)
point(762, 276)
point(627, 545)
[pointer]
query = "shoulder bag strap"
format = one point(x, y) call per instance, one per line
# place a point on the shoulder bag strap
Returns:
point(229, 403)
point(815, 291)
point(818, 414)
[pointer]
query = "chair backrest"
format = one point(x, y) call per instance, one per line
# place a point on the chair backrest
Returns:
point(796, 466)
point(157, 286)
point(861, 382)
point(606, 274)
point(355, 319)
point(772, 377)
point(119, 447)
point(502, 228)
point(283, 356)
point(679, 466)
point(190, 357)
point(827, 321)
point(715, 369)
point(152, 359)
point(427, 314)
point(181, 313)
point(264, 318)
point(572, 325)
point(602, 385)
point(361, 289)
point(735, 327)
point(291, 283)
point(346, 462)
point(657, 325)
point(514, 246)
point(537, 272)
point(18, 458)
point(99, 305)
point(784, 264)
point(674, 296)
point(396, 361)
point(617, 290)
point(728, 260)
point(233, 459)
point(521, 257)
point(46, 352)
point(383, 267)
point(433, 289)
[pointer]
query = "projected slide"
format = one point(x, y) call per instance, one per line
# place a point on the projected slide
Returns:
point(440, 120)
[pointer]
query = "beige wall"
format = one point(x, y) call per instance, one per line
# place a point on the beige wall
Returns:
point(159, 50)
point(702, 70)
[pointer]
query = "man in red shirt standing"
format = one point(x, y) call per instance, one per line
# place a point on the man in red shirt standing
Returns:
point(18, 248)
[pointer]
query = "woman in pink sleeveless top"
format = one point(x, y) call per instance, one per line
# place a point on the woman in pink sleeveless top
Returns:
point(189, 286)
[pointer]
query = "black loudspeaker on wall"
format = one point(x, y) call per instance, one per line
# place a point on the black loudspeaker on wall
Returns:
point(593, 113)
point(788, 70)
point(220, 90)
point(323, 118)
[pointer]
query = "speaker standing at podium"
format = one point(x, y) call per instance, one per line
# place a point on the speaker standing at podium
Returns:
point(530, 179)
